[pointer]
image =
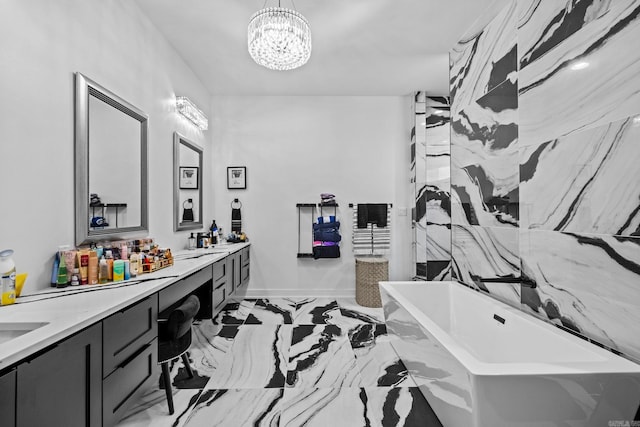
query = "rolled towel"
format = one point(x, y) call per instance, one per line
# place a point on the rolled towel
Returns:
point(325, 219)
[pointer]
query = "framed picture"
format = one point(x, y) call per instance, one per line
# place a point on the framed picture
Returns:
point(236, 177)
point(189, 177)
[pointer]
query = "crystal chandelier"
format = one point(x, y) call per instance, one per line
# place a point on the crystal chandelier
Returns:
point(279, 38)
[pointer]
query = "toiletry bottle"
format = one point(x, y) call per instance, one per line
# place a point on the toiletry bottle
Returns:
point(62, 273)
point(118, 270)
point(124, 251)
point(133, 264)
point(93, 267)
point(109, 257)
point(127, 269)
point(54, 270)
point(75, 277)
point(103, 272)
point(7, 277)
point(83, 258)
point(214, 232)
point(192, 242)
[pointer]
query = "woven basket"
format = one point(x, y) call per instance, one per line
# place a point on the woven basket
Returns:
point(370, 271)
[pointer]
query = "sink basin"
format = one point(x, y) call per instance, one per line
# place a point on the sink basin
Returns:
point(11, 330)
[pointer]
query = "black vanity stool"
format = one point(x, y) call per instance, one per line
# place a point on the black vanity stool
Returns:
point(174, 339)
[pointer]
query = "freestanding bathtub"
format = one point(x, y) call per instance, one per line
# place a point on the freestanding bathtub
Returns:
point(480, 362)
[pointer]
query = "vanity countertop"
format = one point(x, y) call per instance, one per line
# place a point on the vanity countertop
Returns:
point(69, 310)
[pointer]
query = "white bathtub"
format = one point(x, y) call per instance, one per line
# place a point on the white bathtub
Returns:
point(482, 363)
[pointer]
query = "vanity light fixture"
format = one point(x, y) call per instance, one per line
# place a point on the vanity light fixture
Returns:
point(279, 38)
point(189, 110)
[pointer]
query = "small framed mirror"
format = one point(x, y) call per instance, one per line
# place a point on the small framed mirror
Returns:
point(187, 184)
point(110, 165)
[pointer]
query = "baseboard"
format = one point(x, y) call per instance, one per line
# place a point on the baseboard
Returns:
point(300, 293)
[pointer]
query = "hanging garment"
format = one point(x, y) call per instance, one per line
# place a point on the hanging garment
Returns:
point(372, 213)
point(326, 252)
point(236, 216)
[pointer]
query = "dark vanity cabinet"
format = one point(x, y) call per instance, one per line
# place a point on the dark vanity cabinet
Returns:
point(130, 357)
point(8, 398)
point(62, 385)
point(244, 261)
point(221, 279)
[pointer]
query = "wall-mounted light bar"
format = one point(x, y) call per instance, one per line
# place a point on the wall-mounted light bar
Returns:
point(189, 110)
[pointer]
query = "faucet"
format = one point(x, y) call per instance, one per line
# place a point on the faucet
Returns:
point(523, 281)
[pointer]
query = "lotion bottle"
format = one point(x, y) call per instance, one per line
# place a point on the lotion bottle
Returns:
point(109, 257)
point(133, 264)
point(103, 273)
point(93, 268)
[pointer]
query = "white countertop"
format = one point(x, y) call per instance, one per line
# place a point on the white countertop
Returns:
point(71, 309)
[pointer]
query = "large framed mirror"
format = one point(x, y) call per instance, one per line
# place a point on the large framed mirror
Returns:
point(187, 184)
point(111, 200)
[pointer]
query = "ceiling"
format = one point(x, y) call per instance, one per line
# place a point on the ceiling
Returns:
point(360, 47)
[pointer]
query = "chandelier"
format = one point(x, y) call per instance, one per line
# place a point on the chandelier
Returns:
point(279, 38)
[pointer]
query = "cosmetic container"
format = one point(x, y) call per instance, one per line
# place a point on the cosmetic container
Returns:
point(118, 270)
point(93, 267)
point(7, 277)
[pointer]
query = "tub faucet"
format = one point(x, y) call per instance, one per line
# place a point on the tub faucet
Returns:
point(523, 281)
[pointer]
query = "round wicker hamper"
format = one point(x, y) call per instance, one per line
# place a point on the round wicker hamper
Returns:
point(370, 271)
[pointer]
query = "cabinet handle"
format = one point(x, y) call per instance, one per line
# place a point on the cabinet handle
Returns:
point(137, 353)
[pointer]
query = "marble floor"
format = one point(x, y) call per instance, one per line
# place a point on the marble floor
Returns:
point(289, 362)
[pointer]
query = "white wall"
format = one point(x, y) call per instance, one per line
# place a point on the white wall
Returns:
point(42, 43)
point(295, 148)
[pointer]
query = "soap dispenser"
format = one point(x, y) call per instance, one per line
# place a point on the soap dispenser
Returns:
point(192, 242)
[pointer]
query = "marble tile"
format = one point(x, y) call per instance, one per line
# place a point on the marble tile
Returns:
point(321, 356)
point(484, 158)
point(595, 72)
point(438, 242)
point(321, 407)
point(209, 345)
point(441, 102)
point(379, 407)
point(542, 25)
point(358, 314)
point(439, 270)
point(491, 253)
point(234, 313)
point(402, 406)
point(257, 358)
point(586, 182)
point(271, 311)
point(377, 361)
point(317, 311)
point(588, 283)
point(481, 61)
point(239, 407)
point(152, 409)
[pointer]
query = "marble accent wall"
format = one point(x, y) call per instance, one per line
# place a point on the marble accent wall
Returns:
point(430, 163)
point(545, 152)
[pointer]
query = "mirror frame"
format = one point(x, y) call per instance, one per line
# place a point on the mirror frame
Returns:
point(84, 88)
point(179, 139)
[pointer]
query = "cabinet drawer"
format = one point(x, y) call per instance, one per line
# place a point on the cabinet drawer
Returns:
point(219, 272)
point(176, 291)
point(124, 333)
point(219, 295)
point(129, 382)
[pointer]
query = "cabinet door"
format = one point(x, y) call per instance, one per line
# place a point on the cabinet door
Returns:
point(237, 267)
point(8, 400)
point(63, 385)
